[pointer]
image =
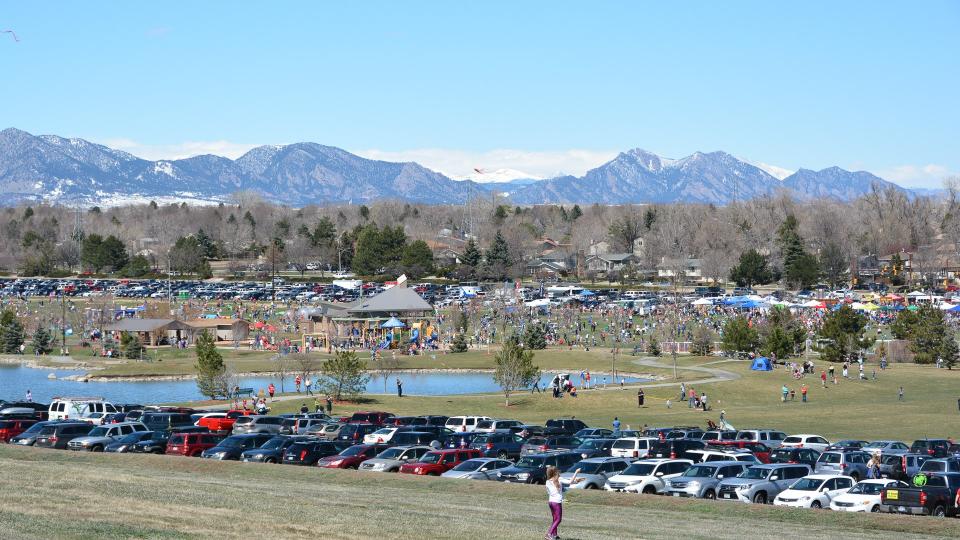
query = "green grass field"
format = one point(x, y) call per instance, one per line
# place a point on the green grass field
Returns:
point(58, 494)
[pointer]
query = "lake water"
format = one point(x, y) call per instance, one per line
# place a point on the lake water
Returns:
point(15, 380)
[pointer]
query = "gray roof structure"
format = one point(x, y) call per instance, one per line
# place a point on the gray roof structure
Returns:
point(147, 325)
point(393, 300)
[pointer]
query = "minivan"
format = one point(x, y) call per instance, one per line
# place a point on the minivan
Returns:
point(464, 423)
point(675, 449)
point(67, 408)
point(632, 447)
point(164, 421)
point(58, 435)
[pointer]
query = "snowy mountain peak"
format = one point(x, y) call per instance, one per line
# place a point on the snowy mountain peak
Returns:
point(487, 176)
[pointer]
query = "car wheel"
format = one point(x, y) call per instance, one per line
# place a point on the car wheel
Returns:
point(816, 505)
point(97, 449)
point(876, 509)
point(709, 494)
point(760, 497)
point(649, 490)
point(940, 511)
point(591, 486)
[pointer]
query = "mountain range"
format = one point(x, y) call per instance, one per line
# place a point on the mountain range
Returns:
point(56, 169)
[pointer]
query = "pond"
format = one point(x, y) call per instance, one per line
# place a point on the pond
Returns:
point(15, 380)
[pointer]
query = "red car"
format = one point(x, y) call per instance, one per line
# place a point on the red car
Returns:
point(377, 418)
point(352, 457)
point(191, 444)
point(11, 428)
point(760, 450)
point(214, 423)
point(439, 461)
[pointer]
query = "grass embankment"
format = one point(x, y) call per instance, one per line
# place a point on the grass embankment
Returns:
point(851, 409)
point(172, 497)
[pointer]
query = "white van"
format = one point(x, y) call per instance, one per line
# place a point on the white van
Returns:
point(464, 423)
point(65, 408)
point(632, 447)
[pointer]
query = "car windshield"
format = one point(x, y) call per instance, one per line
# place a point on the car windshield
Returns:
point(353, 450)
point(384, 431)
point(877, 444)
point(699, 471)
point(176, 439)
point(806, 484)
point(866, 488)
point(586, 467)
point(469, 465)
point(481, 438)
point(755, 473)
point(829, 457)
point(231, 442)
point(592, 444)
point(624, 443)
point(98, 432)
point(640, 469)
point(274, 443)
point(790, 440)
point(530, 463)
point(392, 453)
point(35, 428)
point(244, 420)
point(430, 457)
point(131, 438)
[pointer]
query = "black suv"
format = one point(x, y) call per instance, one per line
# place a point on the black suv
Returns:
point(935, 448)
point(234, 445)
point(676, 449)
point(563, 426)
point(310, 452)
point(806, 456)
point(532, 469)
point(58, 435)
point(165, 421)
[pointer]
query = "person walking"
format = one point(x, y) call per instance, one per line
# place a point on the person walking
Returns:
point(307, 384)
point(833, 373)
point(823, 378)
point(703, 402)
point(640, 397)
point(803, 393)
point(399, 387)
point(691, 398)
point(616, 425)
point(536, 387)
point(900, 394)
point(296, 381)
point(271, 389)
point(555, 500)
point(683, 391)
point(29, 396)
point(317, 406)
point(329, 404)
point(873, 466)
point(784, 391)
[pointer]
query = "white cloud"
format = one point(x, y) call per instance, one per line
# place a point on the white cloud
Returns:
point(923, 176)
point(529, 164)
point(182, 150)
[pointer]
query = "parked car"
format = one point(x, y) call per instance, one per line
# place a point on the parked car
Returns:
point(376, 418)
point(852, 463)
point(464, 423)
point(760, 450)
point(675, 448)
point(760, 484)
point(413, 438)
point(886, 447)
point(865, 496)
point(847, 444)
point(99, 437)
point(430, 420)
point(536, 445)
point(437, 462)
point(814, 491)
point(769, 437)
point(351, 457)
point(60, 434)
point(593, 473)
point(497, 425)
point(685, 433)
point(310, 451)
point(947, 465)
point(125, 444)
point(272, 450)
point(13, 427)
point(231, 447)
point(355, 433)
point(329, 431)
point(222, 421)
point(75, 408)
point(805, 440)
point(937, 497)
point(596, 448)
point(702, 456)
point(478, 469)
point(719, 435)
point(532, 468)
point(632, 447)
point(29, 436)
point(391, 459)
point(701, 480)
point(257, 424)
point(902, 466)
point(593, 433)
point(192, 444)
point(165, 421)
point(935, 448)
point(501, 445)
point(563, 426)
point(647, 476)
point(155, 444)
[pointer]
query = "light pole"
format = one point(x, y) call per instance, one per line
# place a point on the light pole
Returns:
point(63, 323)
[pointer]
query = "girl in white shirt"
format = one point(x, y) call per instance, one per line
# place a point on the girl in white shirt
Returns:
point(555, 499)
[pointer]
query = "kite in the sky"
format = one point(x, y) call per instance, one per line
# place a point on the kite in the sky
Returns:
point(12, 33)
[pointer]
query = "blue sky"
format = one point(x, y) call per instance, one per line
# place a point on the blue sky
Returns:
point(542, 87)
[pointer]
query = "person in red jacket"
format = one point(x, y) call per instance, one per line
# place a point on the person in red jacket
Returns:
point(271, 390)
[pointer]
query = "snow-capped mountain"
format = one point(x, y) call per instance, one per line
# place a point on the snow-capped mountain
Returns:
point(54, 169)
point(499, 176)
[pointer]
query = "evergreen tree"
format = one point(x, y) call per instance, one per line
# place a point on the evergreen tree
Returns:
point(514, 368)
point(210, 367)
point(11, 332)
point(459, 344)
point(928, 335)
point(500, 213)
point(703, 339)
point(130, 346)
point(499, 252)
point(751, 270)
point(778, 343)
point(534, 337)
point(471, 254)
point(843, 333)
point(137, 267)
point(653, 346)
point(417, 260)
point(739, 336)
point(344, 376)
point(800, 269)
point(575, 213)
point(949, 351)
point(42, 341)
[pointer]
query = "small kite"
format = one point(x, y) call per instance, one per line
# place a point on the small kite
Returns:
point(12, 33)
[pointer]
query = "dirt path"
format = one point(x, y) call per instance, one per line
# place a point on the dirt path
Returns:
point(715, 375)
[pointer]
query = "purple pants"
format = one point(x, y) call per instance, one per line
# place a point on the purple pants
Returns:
point(556, 510)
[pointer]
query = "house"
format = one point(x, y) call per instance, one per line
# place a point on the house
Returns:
point(688, 269)
point(151, 331)
point(610, 262)
point(546, 269)
point(223, 329)
point(599, 248)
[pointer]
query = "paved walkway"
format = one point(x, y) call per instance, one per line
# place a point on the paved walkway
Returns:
point(716, 375)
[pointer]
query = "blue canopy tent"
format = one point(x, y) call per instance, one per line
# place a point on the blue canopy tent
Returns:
point(588, 292)
point(761, 363)
point(393, 322)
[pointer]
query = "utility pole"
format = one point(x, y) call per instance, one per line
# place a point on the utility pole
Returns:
point(63, 323)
